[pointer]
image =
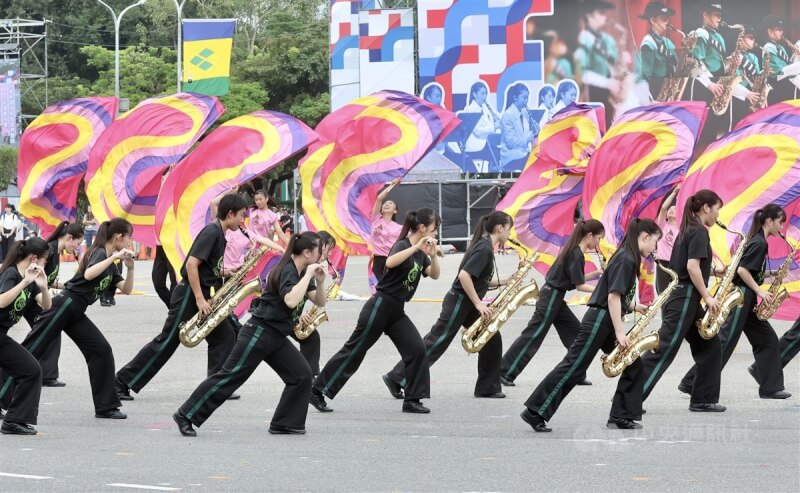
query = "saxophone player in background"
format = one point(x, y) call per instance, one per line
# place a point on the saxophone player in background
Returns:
point(463, 305)
point(601, 327)
point(202, 270)
point(658, 52)
point(749, 70)
point(750, 275)
point(566, 274)
point(596, 57)
point(264, 338)
point(781, 56)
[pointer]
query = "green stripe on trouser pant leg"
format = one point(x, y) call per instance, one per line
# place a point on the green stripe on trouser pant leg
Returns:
point(172, 334)
point(224, 381)
point(344, 364)
point(575, 365)
point(442, 337)
point(675, 337)
point(535, 335)
point(50, 325)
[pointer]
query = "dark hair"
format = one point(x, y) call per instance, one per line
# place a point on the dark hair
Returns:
point(428, 90)
point(630, 242)
point(694, 204)
point(563, 87)
point(515, 91)
point(544, 91)
point(66, 228)
point(394, 216)
point(270, 200)
point(106, 231)
point(475, 87)
point(21, 249)
point(232, 202)
point(769, 211)
point(417, 218)
point(326, 238)
point(298, 243)
point(581, 229)
point(486, 226)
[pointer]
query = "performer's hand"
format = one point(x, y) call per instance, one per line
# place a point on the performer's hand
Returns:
point(203, 307)
point(305, 318)
point(32, 272)
point(485, 310)
point(622, 340)
point(712, 305)
point(122, 254)
point(752, 97)
point(716, 89)
point(765, 295)
point(641, 308)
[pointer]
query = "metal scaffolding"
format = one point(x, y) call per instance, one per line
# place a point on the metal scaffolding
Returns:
point(26, 40)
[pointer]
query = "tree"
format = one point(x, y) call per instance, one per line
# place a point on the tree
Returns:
point(8, 166)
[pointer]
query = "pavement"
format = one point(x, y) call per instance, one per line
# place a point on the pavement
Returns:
point(367, 444)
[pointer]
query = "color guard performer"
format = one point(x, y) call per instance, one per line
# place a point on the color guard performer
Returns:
point(749, 277)
point(566, 274)
point(601, 327)
point(413, 256)
point(22, 283)
point(383, 230)
point(659, 56)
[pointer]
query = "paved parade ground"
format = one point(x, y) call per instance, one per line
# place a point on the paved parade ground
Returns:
point(367, 444)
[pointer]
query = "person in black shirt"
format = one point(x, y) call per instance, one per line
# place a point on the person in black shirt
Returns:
point(601, 327)
point(463, 305)
point(96, 272)
point(413, 256)
point(567, 273)
point(17, 293)
point(202, 271)
point(749, 277)
point(67, 236)
point(263, 338)
point(691, 260)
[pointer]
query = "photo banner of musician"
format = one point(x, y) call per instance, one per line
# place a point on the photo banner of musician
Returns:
point(233, 154)
point(10, 101)
point(53, 156)
point(756, 164)
point(126, 166)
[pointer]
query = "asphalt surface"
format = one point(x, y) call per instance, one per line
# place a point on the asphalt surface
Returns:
point(367, 444)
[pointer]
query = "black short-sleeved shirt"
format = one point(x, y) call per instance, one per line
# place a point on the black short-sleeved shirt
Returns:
point(568, 274)
point(479, 264)
point(401, 282)
point(695, 244)
point(209, 247)
point(53, 264)
point(619, 277)
point(12, 313)
point(754, 258)
point(89, 291)
point(274, 310)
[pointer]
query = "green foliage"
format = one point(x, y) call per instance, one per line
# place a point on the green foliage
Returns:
point(8, 166)
point(243, 98)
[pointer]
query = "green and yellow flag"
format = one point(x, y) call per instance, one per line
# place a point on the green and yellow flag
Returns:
point(207, 45)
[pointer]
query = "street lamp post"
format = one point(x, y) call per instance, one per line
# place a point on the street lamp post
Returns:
point(117, 21)
point(179, 8)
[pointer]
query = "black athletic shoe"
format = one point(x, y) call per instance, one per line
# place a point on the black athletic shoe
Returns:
point(318, 401)
point(10, 428)
point(537, 422)
point(622, 423)
point(394, 388)
point(415, 407)
point(184, 425)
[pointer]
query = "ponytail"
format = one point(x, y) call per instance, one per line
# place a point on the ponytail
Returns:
point(769, 211)
point(66, 228)
point(486, 226)
point(694, 205)
point(581, 229)
point(630, 242)
point(105, 233)
point(21, 249)
point(417, 218)
point(298, 243)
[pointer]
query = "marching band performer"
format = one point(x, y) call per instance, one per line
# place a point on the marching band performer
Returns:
point(566, 274)
point(489, 122)
point(601, 327)
point(659, 56)
point(96, 271)
point(67, 236)
point(710, 52)
point(789, 347)
point(413, 256)
point(780, 58)
point(596, 56)
point(749, 69)
point(749, 277)
point(22, 283)
point(263, 338)
point(202, 270)
point(463, 305)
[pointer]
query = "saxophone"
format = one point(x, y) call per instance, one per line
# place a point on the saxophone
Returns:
point(317, 313)
point(719, 104)
point(513, 295)
point(761, 86)
point(193, 331)
point(778, 291)
point(672, 88)
point(728, 296)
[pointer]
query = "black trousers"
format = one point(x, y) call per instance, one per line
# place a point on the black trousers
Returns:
point(602, 95)
point(68, 314)
point(155, 354)
point(310, 349)
point(458, 311)
point(378, 266)
point(761, 336)
point(49, 360)
point(715, 124)
point(662, 279)
point(789, 345)
point(681, 311)
point(781, 91)
point(162, 269)
point(6, 243)
point(551, 309)
point(257, 342)
point(596, 333)
point(382, 314)
point(26, 374)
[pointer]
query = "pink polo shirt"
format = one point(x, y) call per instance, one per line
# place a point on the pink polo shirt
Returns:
point(664, 246)
point(261, 222)
point(383, 235)
point(236, 249)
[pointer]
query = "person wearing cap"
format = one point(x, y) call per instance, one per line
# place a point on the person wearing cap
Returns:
point(749, 69)
point(596, 56)
point(779, 58)
point(710, 52)
point(659, 56)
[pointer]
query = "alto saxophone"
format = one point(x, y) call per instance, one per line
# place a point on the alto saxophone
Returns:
point(729, 79)
point(778, 291)
point(615, 362)
point(224, 301)
point(727, 295)
point(761, 86)
point(513, 295)
point(672, 88)
point(317, 313)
